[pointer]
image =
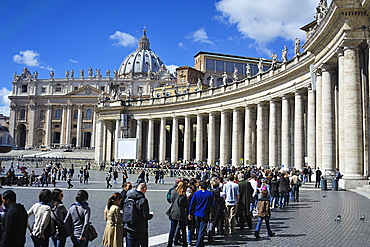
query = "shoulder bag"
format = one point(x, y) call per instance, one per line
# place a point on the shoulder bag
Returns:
point(91, 232)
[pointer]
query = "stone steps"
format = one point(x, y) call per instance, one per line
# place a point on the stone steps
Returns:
point(363, 190)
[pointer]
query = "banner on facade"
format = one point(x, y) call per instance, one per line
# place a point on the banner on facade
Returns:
point(126, 149)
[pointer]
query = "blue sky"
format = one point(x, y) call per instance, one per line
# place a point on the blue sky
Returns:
point(62, 35)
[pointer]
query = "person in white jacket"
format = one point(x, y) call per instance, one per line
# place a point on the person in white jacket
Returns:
point(41, 229)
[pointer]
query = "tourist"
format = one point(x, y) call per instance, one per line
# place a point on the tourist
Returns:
point(69, 182)
point(41, 229)
point(14, 223)
point(86, 176)
point(231, 195)
point(113, 233)
point(295, 182)
point(178, 214)
point(318, 177)
point(283, 190)
point(77, 220)
point(58, 214)
point(125, 188)
point(274, 190)
point(108, 178)
point(264, 214)
point(245, 192)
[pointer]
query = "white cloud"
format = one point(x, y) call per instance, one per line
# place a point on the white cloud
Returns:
point(265, 20)
point(30, 58)
point(172, 68)
point(123, 39)
point(181, 45)
point(200, 35)
point(73, 61)
point(4, 101)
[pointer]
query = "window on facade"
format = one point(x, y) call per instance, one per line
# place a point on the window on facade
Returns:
point(57, 114)
point(24, 88)
point(75, 115)
point(58, 89)
point(74, 126)
point(88, 114)
point(123, 89)
point(158, 95)
point(57, 126)
point(140, 89)
point(102, 89)
point(168, 94)
point(76, 88)
point(23, 114)
point(210, 64)
point(43, 90)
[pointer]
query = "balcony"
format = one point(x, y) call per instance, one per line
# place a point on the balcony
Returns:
point(87, 120)
point(56, 120)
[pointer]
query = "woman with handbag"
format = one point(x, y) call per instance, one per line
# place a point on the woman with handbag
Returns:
point(77, 220)
point(58, 214)
point(178, 213)
point(113, 233)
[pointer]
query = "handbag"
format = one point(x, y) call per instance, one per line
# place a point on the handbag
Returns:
point(91, 231)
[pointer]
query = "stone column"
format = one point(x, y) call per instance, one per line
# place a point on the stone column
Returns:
point(139, 137)
point(12, 124)
point(187, 138)
point(319, 119)
point(99, 144)
point(353, 114)
point(328, 128)
point(117, 135)
point(68, 125)
point(175, 140)
point(48, 123)
point(236, 135)
point(273, 135)
point(150, 139)
point(298, 131)
point(341, 118)
point(162, 141)
point(199, 139)
point(63, 127)
point(224, 139)
point(249, 137)
point(93, 144)
point(211, 138)
point(31, 127)
point(285, 133)
point(79, 126)
point(260, 135)
point(311, 129)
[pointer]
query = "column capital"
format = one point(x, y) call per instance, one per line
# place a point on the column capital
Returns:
point(325, 67)
point(350, 44)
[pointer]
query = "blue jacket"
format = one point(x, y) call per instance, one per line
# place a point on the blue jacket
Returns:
point(201, 202)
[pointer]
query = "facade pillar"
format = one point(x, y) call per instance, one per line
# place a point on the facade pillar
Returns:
point(99, 144)
point(117, 135)
point(211, 138)
point(63, 127)
point(68, 125)
point(224, 139)
point(319, 118)
point(187, 138)
point(299, 142)
point(175, 140)
point(12, 124)
point(150, 139)
point(261, 135)
point(199, 139)
point(273, 135)
point(328, 128)
point(311, 129)
point(79, 126)
point(353, 115)
point(48, 119)
point(236, 135)
point(139, 137)
point(341, 119)
point(162, 141)
point(93, 144)
point(31, 127)
point(285, 133)
point(249, 136)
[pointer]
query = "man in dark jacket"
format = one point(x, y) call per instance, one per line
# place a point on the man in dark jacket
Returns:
point(283, 190)
point(15, 222)
point(137, 232)
point(245, 197)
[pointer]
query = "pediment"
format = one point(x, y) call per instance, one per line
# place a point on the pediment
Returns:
point(86, 90)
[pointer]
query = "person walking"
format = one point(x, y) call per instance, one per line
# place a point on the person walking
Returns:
point(245, 194)
point(137, 231)
point(77, 220)
point(58, 214)
point(41, 229)
point(200, 207)
point(69, 182)
point(318, 177)
point(231, 195)
point(283, 190)
point(113, 233)
point(295, 182)
point(108, 178)
point(263, 208)
point(14, 223)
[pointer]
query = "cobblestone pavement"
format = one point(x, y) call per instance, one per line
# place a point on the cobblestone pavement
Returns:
point(310, 222)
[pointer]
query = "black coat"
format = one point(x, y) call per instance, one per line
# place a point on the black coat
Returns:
point(283, 185)
point(15, 224)
point(179, 206)
point(274, 187)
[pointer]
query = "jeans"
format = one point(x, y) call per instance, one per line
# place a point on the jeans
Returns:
point(274, 201)
point(136, 239)
point(40, 242)
point(282, 199)
point(201, 229)
point(267, 221)
point(305, 179)
point(58, 242)
point(171, 235)
point(295, 193)
point(191, 228)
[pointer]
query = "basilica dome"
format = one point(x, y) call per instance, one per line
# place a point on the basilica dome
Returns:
point(142, 61)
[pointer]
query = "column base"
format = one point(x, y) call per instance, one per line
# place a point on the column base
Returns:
point(346, 183)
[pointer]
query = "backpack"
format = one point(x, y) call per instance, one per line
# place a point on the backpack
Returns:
point(168, 195)
point(61, 231)
point(130, 211)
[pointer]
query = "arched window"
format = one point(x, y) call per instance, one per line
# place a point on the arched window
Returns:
point(88, 114)
point(57, 114)
point(23, 114)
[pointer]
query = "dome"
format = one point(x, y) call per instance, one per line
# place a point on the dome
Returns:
point(141, 61)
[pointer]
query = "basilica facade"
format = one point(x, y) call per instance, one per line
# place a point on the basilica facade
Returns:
point(310, 110)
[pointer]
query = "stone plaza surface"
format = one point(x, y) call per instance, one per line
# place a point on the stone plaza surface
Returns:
point(310, 222)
